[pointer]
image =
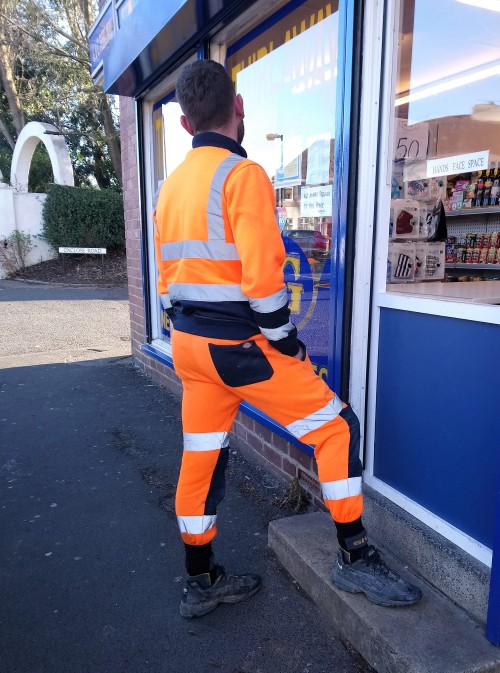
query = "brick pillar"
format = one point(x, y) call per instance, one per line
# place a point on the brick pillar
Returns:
point(132, 222)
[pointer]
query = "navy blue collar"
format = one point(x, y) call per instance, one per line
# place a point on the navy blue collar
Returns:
point(211, 139)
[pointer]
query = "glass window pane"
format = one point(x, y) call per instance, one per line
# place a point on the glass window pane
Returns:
point(170, 145)
point(287, 77)
point(446, 146)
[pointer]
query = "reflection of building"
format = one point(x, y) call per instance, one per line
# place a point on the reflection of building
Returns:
point(446, 133)
point(314, 170)
point(402, 353)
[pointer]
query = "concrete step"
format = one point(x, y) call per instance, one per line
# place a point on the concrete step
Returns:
point(459, 576)
point(433, 636)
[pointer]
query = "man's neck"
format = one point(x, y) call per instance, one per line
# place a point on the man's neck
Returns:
point(215, 139)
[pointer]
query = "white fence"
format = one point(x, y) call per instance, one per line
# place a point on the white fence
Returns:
point(23, 211)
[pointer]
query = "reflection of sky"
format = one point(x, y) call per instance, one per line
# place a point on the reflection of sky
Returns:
point(177, 140)
point(291, 91)
point(451, 38)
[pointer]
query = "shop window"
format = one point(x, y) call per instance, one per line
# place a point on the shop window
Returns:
point(170, 146)
point(445, 193)
point(286, 69)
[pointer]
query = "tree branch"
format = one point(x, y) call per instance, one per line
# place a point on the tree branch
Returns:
point(91, 136)
point(5, 132)
point(44, 18)
point(50, 48)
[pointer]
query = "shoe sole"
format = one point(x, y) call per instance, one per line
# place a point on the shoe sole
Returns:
point(386, 603)
point(189, 613)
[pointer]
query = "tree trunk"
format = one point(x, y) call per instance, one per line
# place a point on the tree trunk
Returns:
point(112, 137)
point(5, 132)
point(87, 12)
point(7, 74)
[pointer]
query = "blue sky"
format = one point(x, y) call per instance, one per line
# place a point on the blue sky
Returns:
point(291, 91)
point(452, 39)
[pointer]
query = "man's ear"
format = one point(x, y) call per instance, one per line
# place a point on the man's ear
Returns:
point(238, 106)
point(186, 125)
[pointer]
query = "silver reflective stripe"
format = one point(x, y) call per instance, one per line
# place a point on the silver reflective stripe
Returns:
point(317, 419)
point(216, 247)
point(165, 301)
point(195, 525)
point(214, 206)
point(343, 488)
point(216, 250)
point(277, 332)
point(205, 441)
point(205, 292)
point(271, 303)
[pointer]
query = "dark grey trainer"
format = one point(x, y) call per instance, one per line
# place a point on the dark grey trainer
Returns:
point(371, 576)
point(200, 596)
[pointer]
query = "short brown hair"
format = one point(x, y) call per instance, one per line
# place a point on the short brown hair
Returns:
point(205, 93)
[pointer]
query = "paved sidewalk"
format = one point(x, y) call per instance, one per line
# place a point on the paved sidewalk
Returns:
point(91, 566)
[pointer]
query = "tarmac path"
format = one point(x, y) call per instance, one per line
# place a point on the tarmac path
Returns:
point(91, 564)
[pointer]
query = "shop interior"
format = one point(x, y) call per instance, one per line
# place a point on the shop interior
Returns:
point(445, 192)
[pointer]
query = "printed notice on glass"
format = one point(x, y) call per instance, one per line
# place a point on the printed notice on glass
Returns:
point(460, 163)
point(318, 162)
point(316, 201)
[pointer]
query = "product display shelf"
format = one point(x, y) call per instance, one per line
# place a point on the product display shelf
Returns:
point(464, 212)
point(484, 267)
point(481, 220)
point(485, 292)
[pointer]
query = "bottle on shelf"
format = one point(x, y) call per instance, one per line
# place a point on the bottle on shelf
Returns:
point(480, 190)
point(488, 185)
point(495, 189)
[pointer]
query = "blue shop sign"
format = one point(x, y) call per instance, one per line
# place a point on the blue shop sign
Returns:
point(132, 40)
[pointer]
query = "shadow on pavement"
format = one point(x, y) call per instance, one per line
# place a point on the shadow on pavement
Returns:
point(91, 564)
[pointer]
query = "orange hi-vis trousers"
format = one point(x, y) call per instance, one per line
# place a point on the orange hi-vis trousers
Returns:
point(216, 376)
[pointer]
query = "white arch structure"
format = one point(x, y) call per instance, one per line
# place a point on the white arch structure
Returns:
point(30, 136)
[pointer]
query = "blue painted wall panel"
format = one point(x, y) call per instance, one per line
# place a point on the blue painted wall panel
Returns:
point(437, 434)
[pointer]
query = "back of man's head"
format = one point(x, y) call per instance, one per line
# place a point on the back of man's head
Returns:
point(205, 93)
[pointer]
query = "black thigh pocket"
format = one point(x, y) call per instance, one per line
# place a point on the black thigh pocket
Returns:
point(241, 365)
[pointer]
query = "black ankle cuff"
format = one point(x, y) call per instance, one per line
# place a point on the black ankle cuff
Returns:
point(199, 558)
point(352, 539)
point(355, 542)
point(348, 530)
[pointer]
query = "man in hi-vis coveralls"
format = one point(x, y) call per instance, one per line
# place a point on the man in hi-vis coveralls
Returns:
point(220, 258)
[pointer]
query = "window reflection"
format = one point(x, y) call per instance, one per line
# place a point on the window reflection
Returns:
point(171, 143)
point(287, 77)
point(178, 142)
point(446, 144)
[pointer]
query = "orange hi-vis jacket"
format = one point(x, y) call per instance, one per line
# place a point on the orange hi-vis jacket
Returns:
point(219, 250)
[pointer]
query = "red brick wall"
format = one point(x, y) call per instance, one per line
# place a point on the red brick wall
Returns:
point(132, 220)
point(133, 238)
point(257, 441)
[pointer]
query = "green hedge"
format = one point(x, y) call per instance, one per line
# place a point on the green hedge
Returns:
point(82, 217)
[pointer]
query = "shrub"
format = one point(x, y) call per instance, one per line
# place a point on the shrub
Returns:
point(81, 217)
point(5, 160)
point(14, 250)
point(40, 175)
